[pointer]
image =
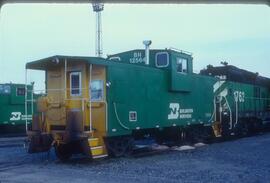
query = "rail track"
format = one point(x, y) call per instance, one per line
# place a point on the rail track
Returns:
point(12, 141)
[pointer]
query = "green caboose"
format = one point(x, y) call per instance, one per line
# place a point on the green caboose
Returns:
point(12, 108)
point(112, 101)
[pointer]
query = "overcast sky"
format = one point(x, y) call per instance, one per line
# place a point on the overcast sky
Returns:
point(238, 34)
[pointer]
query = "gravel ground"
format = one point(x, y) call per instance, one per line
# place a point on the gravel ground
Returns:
point(243, 160)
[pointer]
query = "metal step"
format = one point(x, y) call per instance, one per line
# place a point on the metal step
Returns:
point(93, 142)
point(100, 156)
point(98, 150)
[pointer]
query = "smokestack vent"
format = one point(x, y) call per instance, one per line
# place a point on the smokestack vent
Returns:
point(147, 44)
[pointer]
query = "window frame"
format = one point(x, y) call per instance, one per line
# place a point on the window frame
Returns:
point(102, 89)
point(182, 58)
point(9, 90)
point(136, 116)
point(20, 88)
point(168, 61)
point(79, 73)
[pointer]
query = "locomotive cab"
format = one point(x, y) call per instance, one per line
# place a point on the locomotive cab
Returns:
point(72, 112)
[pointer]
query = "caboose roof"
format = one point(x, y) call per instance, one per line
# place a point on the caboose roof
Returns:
point(131, 57)
point(57, 60)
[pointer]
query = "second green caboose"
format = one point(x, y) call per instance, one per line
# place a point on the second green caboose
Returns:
point(12, 109)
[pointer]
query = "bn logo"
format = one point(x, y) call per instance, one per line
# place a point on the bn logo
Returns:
point(15, 116)
point(174, 111)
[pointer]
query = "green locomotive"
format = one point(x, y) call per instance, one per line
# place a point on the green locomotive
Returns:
point(243, 99)
point(99, 106)
point(12, 109)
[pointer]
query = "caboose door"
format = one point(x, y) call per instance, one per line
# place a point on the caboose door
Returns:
point(75, 100)
point(98, 104)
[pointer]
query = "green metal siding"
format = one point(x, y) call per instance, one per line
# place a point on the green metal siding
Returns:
point(250, 102)
point(147, 91)
point(12, 107)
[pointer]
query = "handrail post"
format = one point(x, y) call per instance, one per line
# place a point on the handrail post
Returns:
point(25, 102)
point(90, 102)
point(65, 76)
point(32, 101)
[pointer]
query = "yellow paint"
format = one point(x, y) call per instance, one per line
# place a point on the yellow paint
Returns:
point(217, 128)
point(99, 108)
point(56, 113)
point(99, 150)
point(93, 142)
point(59, 101)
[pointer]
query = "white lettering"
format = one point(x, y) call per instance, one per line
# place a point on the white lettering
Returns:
point(15, 116)
point(239, 96)
point(174, 111)
point(185, 116)
point(177, 113)
point(137, 58)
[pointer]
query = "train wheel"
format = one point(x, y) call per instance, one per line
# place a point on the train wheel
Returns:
point(225, 129)
point(63, 152)
point(120, 146)
point(242, 129)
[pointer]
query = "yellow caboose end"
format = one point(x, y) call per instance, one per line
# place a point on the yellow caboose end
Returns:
point(72, 113)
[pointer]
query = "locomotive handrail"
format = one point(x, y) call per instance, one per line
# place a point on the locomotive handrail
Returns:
point(231, 122)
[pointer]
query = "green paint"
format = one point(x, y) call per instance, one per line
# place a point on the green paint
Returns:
point(143, 96)
point(12, 105)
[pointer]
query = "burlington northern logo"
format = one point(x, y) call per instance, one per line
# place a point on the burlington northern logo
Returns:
point(15, 116)
point(177, 113)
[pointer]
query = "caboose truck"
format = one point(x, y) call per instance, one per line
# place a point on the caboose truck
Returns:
point(98, 107)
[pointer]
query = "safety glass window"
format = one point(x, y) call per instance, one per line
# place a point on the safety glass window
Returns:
point(5, 89)
point(75, 83)
point(20, 91)
point(162, 59)
point(181, 65)
point(96, 90)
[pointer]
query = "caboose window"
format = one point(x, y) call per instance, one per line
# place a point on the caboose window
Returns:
point(162, 59)
point(181, 65)
point(96, 90)
point(20, 91)
point(5, 89)
point(75, 83)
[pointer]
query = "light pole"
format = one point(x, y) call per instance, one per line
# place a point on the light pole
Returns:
point(98, 7)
